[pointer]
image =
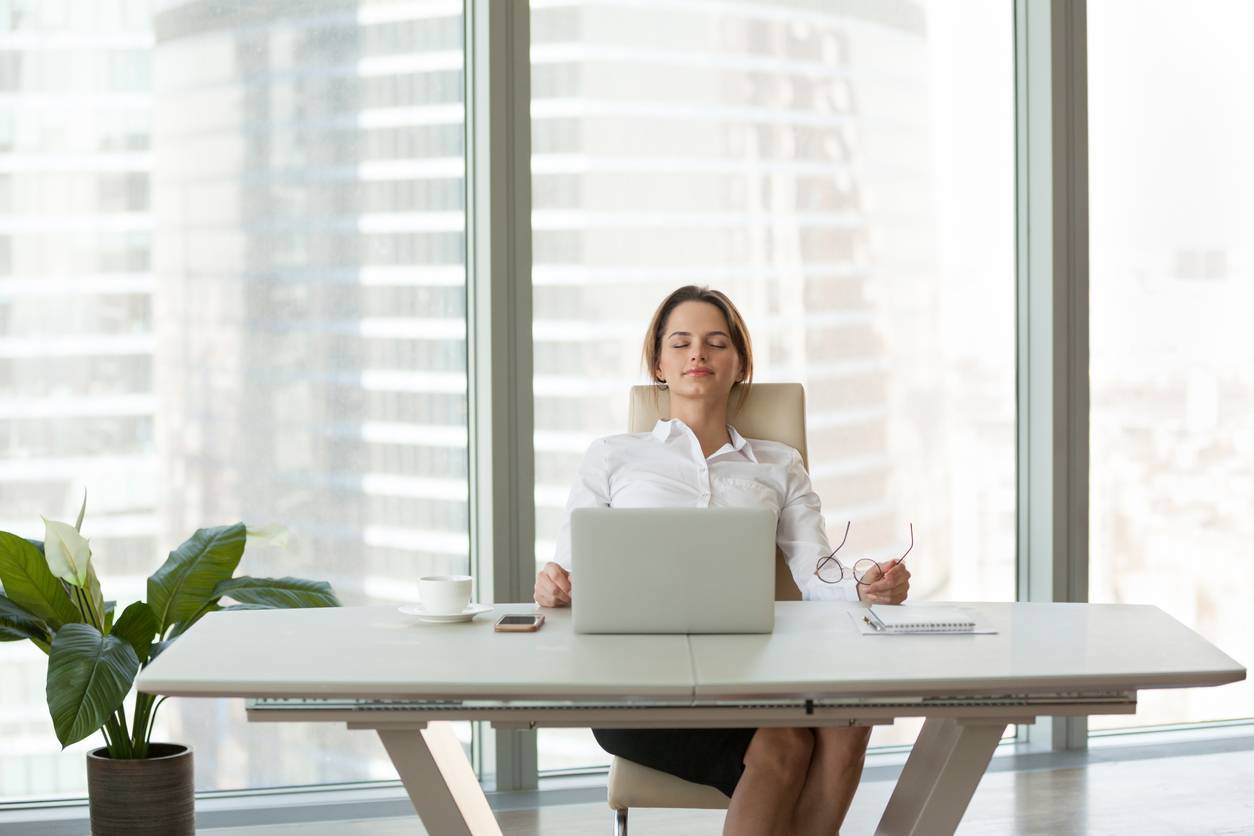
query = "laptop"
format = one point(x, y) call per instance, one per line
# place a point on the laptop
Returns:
point(673, 570)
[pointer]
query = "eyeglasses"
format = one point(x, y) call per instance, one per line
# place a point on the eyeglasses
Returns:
point(831, 570)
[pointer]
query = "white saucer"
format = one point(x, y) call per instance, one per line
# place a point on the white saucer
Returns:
point(465, 615)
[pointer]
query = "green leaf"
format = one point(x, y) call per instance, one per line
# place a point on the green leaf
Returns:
point(89, 601)
point(185, 582)
point(278, 592)
point(89, 675)
point(78, 524)
point(31, 585)
point(138, 627)
point(96, 598)
point(17, 624)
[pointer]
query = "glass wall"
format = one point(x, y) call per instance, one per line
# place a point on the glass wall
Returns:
point(231, 287)
point(845, 172)
point(1172, 435)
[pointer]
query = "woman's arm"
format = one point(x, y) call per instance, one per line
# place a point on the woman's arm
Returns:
point(590, 490)
point(802, 537)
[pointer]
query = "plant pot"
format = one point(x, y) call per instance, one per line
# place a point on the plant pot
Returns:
point(152, 795)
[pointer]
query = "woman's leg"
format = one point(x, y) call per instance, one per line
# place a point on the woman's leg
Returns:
point(766, 796)
point(832, 779)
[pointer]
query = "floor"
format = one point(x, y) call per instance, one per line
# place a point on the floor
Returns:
point(1186, 795)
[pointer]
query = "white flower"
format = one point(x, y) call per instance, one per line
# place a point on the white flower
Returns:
point(275, 535)
point(67, 552)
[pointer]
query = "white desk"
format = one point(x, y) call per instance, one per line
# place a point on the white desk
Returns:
point(815, 669)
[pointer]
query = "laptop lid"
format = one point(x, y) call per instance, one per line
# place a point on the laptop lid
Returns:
point(673, 570)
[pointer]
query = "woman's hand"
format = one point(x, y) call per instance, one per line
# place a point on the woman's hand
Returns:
point(553, 586)
point(887, 584)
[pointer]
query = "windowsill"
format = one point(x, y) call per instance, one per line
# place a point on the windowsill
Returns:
point(289, 805)
point(388, 799)
point(1188, 733)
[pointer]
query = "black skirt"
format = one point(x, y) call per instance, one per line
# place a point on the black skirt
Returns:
point(715, 757)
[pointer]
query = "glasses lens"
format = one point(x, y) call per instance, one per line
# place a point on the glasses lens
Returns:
point(830, 570)
point(866, 570)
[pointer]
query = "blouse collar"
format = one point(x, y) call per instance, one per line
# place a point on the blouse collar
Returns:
point(664, 429)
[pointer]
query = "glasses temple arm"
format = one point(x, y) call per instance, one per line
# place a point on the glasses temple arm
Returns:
point(908, 550)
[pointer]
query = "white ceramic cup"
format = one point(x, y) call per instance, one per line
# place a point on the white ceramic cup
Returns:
point(445, 594)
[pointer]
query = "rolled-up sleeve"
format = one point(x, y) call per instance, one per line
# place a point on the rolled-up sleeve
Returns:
point(802, 537)
point(590, 490)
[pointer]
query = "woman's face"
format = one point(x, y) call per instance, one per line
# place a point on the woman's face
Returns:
point(698, 358)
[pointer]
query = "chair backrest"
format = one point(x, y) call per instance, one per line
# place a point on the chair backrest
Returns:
point(770, 411)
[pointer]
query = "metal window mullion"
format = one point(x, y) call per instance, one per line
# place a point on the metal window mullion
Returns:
point(498, 311)
point(1051, 136)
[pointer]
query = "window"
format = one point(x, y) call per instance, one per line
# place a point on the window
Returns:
point(231, 287)
point(846, 175)
point(1172, 446)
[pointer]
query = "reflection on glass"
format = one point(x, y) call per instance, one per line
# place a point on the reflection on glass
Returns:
point(845, 174)
point(1172, 438)
point(232, 287)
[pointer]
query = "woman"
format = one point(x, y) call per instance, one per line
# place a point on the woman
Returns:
point(779, 780)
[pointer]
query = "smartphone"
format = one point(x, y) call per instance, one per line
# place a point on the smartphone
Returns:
point(519, 623)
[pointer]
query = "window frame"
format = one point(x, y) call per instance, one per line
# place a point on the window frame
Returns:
point(1052, 337)
point(499, 344)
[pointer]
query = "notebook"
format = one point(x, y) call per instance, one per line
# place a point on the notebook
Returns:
point(897, 618)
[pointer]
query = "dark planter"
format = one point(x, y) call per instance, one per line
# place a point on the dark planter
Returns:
point(154, 795)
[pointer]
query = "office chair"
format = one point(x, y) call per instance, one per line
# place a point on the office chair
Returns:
point(772, 411)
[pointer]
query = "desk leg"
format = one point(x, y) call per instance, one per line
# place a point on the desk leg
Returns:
point(940, 776)
point(440, 781)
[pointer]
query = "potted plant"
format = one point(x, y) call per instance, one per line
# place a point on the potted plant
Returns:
point(49, 594)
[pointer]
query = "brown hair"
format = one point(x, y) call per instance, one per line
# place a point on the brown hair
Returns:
point(738, 332)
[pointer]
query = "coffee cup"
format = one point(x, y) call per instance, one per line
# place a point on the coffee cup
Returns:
point(445, 594)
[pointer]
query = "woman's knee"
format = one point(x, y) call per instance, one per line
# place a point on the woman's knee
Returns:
point(783, 753)
point(846, 743)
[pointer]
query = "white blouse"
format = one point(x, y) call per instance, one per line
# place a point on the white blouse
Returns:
point(666, 469)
